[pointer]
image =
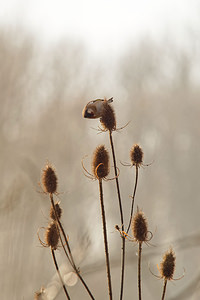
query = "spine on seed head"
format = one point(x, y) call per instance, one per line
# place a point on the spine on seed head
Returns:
point(49, 179)
point(167, 266)
point(108, 119)
point(52, 236)
point(139, 227)
point(100, 162)
point(136, 155)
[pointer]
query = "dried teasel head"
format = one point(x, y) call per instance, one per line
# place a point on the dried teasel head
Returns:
point(136, 155)
point(167, 266)
point(100, 162)
point(49, 179)
point(58, 212)
point(108, 119)
point(52, 236)
point(140, 227)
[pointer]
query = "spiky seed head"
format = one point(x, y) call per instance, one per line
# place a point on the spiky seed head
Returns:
point(52, 236)
point(139, 227)
point(58, 212)
point(100, 163)
point(49, 179)
point(136, 155)
point(167, 266)
point(108, 119)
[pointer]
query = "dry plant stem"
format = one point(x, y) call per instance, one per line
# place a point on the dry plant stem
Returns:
point(139, 271)
point(121, 215)
point(105, 239)
point(164, 289)
point(133, 197)
point(69, 256)
point(57, 268)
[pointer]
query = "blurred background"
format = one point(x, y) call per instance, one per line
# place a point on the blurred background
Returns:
point(55, 56)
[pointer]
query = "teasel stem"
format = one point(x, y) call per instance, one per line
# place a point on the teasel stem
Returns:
point(121, 216)
point(133, 197)
point(139, 271)
point(164, 289)
point(57, 268)
point(69, 256)
point(105, 238)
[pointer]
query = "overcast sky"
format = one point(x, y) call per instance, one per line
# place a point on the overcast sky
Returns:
point(106, 24)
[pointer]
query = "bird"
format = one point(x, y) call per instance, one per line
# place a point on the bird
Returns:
point(94, 108)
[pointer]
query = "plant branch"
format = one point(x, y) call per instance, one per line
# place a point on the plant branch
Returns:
point(105, 239)
point(121, 216)
point(164, 289)
point(139, 271)
point(133, 197)
point(57, 268)
point(69, 256)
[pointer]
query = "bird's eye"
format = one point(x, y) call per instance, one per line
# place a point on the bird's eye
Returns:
point(91, 113)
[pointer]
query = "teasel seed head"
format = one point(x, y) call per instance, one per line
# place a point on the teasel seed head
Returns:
point(108, 119)
point(100, 163)
point(167, 266)
point(52, 236)
point(49, 179)
point(136, 155)
point(139, 227)
point(58, 212)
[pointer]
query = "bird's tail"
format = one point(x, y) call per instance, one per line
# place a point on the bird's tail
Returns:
point(110, 100)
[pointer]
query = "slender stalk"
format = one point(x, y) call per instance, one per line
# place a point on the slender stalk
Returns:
point(105, 239)
point(69, 256)
point(164, 289)
point(139, 271)
point(121, 216)
point(57, 268)
point(133, 197)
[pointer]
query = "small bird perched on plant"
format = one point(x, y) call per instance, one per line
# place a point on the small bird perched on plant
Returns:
point(94, 108)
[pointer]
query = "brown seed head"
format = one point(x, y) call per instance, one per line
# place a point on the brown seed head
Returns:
point(49, 179)
point(58, 212)
point(52, 236)
point(136, 155)
point(108, 119)
point(139, 227)
point(100, 163)
point(167, 265)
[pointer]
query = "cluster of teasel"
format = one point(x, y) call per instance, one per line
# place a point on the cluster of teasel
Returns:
point(55, 233)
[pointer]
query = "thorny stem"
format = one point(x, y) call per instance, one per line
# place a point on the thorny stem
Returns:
point(139, 271)
point(105, 239)
point(121, 215)
point(164, 289)
point(69, 256)
point(57, 268)
point(133, 197)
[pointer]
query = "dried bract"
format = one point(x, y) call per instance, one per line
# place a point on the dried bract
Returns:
point(49, 179)
point(136, 155)
point(167, 265)
point(58, 212)
point(100, 163)
point(52, 236)
point(108, 119)
point(140, 227)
